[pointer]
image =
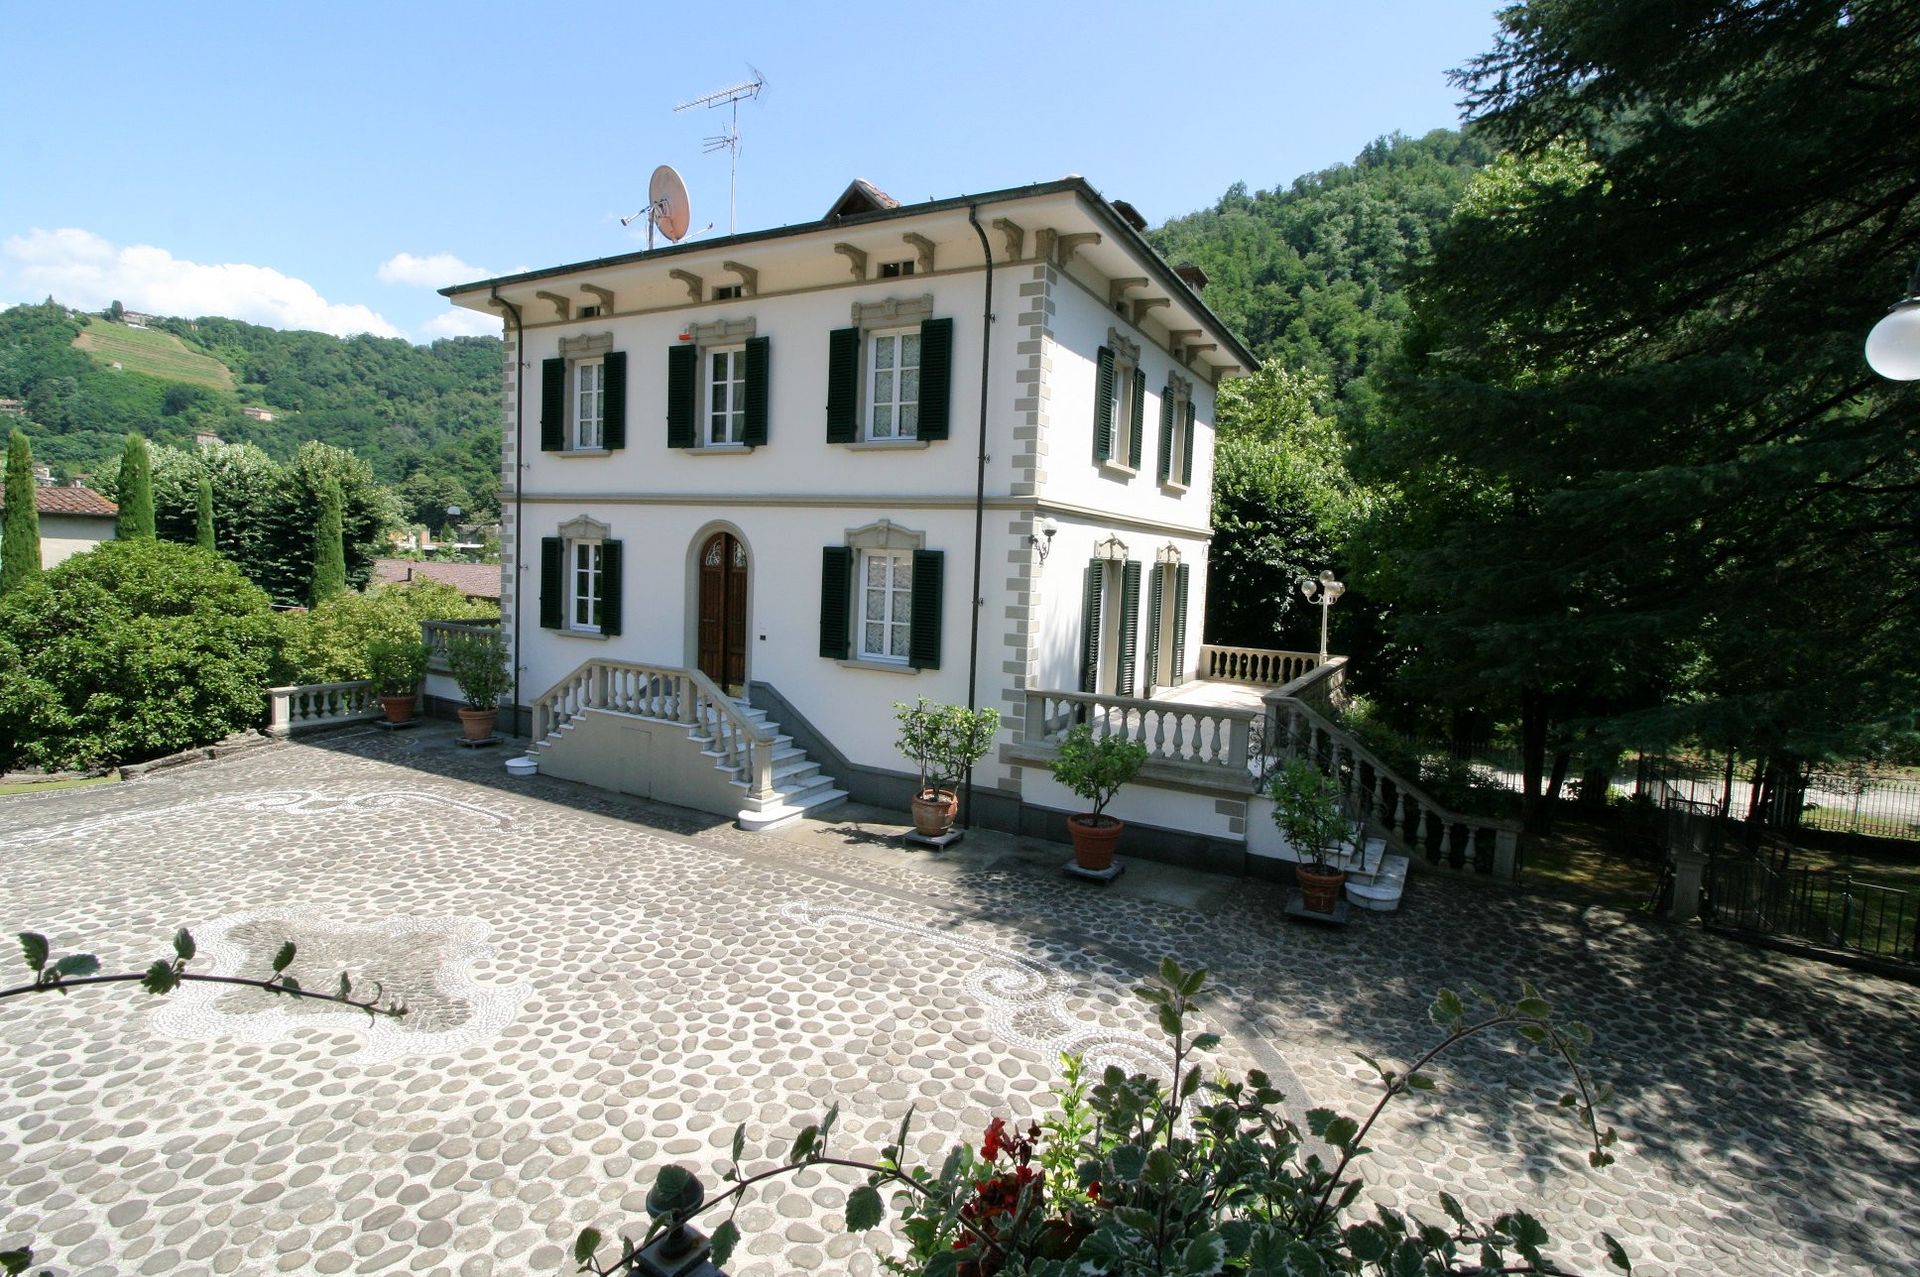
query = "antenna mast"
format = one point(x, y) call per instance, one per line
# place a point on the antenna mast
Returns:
point(729, 141)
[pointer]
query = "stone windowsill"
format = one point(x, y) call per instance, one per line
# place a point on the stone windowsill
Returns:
point(571, 453)
point(885, 667)
point(886, 445)
point(592, 635)
point(1118, 470)
point(719, 450)
point(1174, 486)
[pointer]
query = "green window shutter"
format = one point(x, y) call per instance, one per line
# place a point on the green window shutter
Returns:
point(1166, 434)
point(1136, 430)
point(923, 635)
point(1180, 625)
point(610, 587)
point(1090, 627)
point(1103, 404)
point(1186, 454)
point(936, 377)
point(553, 583)
point(843, 385)
point(613, 428)
point(1129, 625)
point(1153, 625)
point(683, 375)
point(759, 357)
point(553, 405)
point(836, 600)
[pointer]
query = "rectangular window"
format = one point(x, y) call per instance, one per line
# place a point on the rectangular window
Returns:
point(895, 270)
point(894, 389)
point(726, 395)
point(726, 292)
point(886, 604)
point(589, 402)
point(584, 591)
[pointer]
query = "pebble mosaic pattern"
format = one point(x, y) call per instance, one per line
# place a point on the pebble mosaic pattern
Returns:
point(665, 977)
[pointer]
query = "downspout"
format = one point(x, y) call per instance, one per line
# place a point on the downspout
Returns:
point(519, 440)
point(979, 483)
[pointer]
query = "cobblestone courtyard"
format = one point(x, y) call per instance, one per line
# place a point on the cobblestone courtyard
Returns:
point(600, 985)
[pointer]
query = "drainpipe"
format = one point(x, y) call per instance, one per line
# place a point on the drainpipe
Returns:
point(979, 482)
point(519, 442)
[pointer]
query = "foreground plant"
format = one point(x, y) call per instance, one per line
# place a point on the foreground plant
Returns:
point(1135, 1177)
point(61, 975)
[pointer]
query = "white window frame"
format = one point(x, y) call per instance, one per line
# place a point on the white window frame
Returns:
point(588, 432)
point(1124, 370)
point(894, 403)
point(734, 433)
point(896, 619)
point(584, 556)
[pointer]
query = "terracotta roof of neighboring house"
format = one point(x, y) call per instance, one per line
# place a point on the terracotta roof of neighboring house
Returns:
point(861, 196)
point(51, 500)
point(475, 580)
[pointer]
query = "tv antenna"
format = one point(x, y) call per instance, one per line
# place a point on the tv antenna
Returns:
point(729, 139)
point(667, 206)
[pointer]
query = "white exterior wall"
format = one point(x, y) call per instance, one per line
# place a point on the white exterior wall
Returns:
point(64, 535)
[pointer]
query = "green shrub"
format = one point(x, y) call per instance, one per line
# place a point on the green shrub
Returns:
point(1096, 767)
point(396, 667)
point(132, 650)
point(479, 665)
point(329, 644)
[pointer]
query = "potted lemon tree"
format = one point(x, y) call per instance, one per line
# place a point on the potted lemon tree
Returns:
point(396, 668)
point(1311, 815)
point(479, 666)
point(1095, 767)
point(944, 742)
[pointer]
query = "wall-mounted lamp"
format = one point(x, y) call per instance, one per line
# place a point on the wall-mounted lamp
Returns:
point(1113, 550)
point(1042, 539)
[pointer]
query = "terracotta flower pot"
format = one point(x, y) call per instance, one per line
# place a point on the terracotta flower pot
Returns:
point(934, 812)
point(1093, 843)
point(399, 708)
point(1319, 892)
point(478, 723)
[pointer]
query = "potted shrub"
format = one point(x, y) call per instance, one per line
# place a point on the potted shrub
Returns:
point(479, 666)
point(1310, 813)
point(944, 742)
point(396, 668)
point(1095, 768)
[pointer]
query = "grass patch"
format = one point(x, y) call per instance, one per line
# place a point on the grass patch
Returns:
point(155, 353)
point(1581, 859)
point(45, 786)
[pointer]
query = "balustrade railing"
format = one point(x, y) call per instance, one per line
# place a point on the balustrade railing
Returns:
point(1389, 803)
point(1259, 666)
point(1172, 732)
point(291, 710)
point(436, 633)
point(670, 694)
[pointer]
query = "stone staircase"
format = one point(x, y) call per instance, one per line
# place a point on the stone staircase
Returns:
point(669, 733)
point(1376, 875)
point(798, 783)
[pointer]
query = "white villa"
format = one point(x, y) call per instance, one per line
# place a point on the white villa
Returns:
point(759, 488)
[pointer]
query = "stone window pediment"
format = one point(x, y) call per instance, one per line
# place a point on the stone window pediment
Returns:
point(586, 346)
point(885, 535)
point(585, 528)
point(894, 312)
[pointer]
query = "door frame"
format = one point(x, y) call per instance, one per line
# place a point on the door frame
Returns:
point(707, 532)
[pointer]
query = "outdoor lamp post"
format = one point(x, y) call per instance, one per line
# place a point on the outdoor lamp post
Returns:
point(1325, 591)
point(1893, 347)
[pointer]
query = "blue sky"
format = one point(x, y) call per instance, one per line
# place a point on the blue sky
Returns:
point(328, 166)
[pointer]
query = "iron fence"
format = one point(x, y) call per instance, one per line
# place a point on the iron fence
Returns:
point(1823, 907)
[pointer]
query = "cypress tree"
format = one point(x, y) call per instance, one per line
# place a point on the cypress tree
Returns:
point(203, 515)
point(20, 533)
point(329, 553)
point(136, 492)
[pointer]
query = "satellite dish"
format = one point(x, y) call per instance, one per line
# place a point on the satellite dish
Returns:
point(667, 205)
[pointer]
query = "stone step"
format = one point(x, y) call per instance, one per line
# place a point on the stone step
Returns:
point(1381, 891)
point(790, 809)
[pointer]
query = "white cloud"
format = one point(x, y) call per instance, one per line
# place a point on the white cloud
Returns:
point(436, 271)
point(461, 323)
point(83, 270)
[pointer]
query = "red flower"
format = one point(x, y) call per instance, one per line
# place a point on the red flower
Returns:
point(996, 1136)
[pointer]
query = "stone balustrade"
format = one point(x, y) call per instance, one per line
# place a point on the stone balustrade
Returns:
point(1199, 735)
point(1389, 803)
point(293, 710)
point(664, 693)
point(436, 633)
point(1262, 667)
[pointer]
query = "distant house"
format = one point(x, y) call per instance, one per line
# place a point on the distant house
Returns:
point(475, 580)
point(135, 319)
point(258, 414)
point(205, 439)
point(72, 520)
point(13, 407)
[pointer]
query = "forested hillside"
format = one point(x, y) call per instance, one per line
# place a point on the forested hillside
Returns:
point(402, 408)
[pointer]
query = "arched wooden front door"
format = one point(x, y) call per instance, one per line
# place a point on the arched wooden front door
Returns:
point(723, 611)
